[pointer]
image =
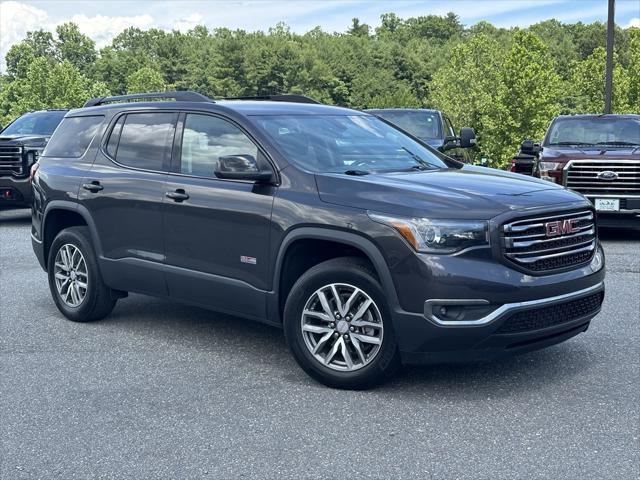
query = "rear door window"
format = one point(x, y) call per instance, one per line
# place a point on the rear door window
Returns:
point(73, 136)
point(146, 140)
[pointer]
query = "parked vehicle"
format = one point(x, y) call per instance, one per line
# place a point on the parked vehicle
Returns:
point(368, 247)
point(598, 156)
point(432, 127)
point(20, 144)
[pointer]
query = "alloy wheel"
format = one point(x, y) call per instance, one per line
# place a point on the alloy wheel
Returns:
point(342, 327)
point(71, 276)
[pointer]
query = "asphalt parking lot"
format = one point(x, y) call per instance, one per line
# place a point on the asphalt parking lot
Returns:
point(160, 390)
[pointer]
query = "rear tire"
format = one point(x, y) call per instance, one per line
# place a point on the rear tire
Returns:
point(338, 325)
point(74, 278)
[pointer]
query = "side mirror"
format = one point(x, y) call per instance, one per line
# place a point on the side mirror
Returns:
point(449, 142)
point(529, 147)
point(241, 167)
point(467, 137)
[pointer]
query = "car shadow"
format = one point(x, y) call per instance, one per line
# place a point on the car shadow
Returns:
point(262, 348)
point(15, 217)
point(618, 234)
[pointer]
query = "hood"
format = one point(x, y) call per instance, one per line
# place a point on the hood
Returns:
point(564, 154)
point(467, 193)
point(17, 139)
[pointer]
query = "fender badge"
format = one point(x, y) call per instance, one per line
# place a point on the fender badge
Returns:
point(249, 260)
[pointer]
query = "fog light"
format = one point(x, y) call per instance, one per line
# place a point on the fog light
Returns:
point(7, 194)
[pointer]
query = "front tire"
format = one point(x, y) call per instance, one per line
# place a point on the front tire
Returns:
point(74, 278)
point(338, 325)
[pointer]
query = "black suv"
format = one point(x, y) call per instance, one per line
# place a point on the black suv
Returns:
point(20, 144)
point(367, 246)
point(433, 127)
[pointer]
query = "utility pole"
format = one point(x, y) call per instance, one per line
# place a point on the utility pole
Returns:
point(608, 79)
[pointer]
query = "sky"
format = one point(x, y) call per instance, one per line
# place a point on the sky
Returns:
point(102, 20)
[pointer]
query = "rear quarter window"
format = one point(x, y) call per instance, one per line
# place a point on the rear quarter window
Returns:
point(73, 136)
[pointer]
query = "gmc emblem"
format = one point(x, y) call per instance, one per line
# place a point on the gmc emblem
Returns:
point(560, 227)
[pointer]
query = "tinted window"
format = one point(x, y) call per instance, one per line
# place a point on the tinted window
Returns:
point(421, 124)
point(339, 143)
point(605, 130)
point(146, 140)
point(206, 139)
point(73, 136)
point(114, 138)
point(36, 123)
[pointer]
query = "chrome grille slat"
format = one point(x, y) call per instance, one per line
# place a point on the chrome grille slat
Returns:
point(541, 257)
point(511, 243)
point(10, 158)
point(515, 227)
point(526, 243)
point(551, 250)
point(582, 176)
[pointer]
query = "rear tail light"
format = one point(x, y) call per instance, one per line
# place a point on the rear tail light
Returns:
point(513, 165)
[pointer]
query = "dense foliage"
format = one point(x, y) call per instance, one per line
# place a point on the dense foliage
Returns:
point(507, 84)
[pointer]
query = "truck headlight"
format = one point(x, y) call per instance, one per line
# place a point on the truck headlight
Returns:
point(548, 166)
point(33, 153)
point(437, 236)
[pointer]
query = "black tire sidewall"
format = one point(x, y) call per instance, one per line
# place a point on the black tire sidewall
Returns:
point(356, 274)
point(78, 237)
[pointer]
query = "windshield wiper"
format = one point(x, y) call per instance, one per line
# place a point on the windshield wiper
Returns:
point(422, 164)
point(618, 143)
point(574, 144)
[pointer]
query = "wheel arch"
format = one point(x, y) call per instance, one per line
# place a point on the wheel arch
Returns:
point(345, 243)
point(60, 214)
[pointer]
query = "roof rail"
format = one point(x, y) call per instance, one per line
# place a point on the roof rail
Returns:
point(185, 96)
point(285, 97)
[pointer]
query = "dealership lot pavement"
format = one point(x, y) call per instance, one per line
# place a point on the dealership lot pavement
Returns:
point(160, 390)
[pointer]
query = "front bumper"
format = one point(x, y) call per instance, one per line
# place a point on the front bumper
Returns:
point(516, 315)
point(15, 192)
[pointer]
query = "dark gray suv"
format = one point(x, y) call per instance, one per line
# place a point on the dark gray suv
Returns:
point(366, 245)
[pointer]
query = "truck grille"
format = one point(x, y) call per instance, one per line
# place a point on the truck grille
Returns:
point(10, 159)
point(550, 242)
point(586, 177)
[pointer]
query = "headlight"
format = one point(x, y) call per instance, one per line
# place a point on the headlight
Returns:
point(437, 236)
point(33, 154)
point(547, 166)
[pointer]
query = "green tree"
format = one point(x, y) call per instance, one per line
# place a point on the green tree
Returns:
point(145, 79)
point(633, 70)
point(358, 29)
point(587, 84)
point(465, 87)
point(75, 47)
point(44, 86)
point(527, 98)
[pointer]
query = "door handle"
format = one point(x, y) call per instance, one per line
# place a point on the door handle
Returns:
point(178, 196)
point(94, 186)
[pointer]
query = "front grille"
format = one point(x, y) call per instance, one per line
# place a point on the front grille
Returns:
point(10, 159)
point(552, 315)
point(542, 244)
point(583, 176)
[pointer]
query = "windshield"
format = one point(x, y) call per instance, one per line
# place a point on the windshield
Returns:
point(595, 131)
point(354, 144)
point(424, 125)
point(37, 123)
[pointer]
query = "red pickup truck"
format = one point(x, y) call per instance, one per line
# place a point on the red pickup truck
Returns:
point(596, 155)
